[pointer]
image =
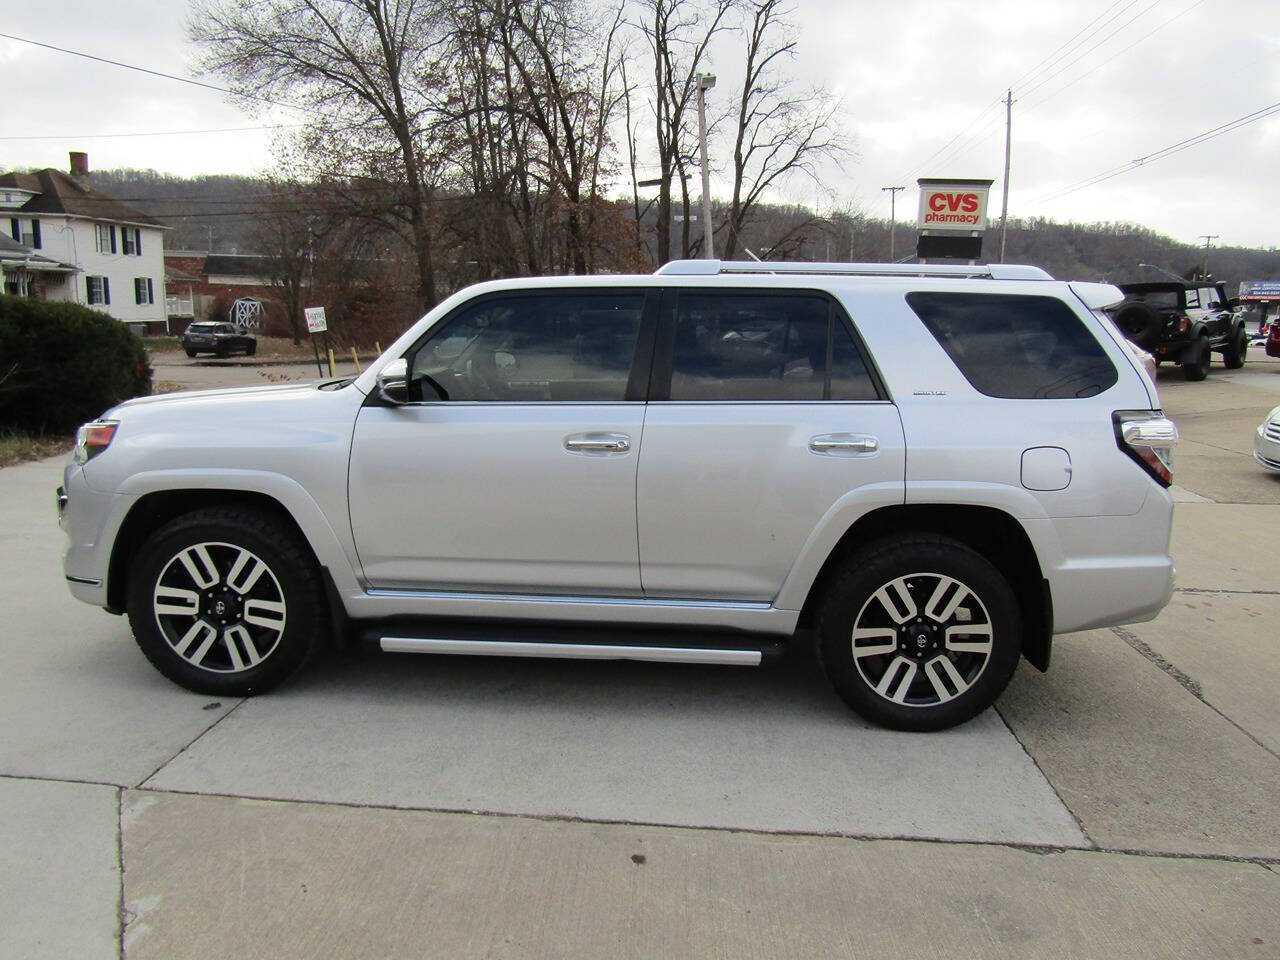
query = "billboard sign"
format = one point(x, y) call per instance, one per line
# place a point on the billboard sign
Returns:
point(1260, 290)
point(315, 320)
point(953, 205)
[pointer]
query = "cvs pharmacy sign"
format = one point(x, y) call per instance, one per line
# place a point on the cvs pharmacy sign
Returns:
point(953, 205)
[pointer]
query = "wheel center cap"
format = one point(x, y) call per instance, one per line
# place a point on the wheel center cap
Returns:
point(922, 640)
point(220, 608)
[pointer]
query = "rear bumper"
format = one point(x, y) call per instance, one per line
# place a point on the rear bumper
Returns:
point(1106, 571)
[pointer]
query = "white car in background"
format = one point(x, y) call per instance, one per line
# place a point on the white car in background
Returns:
point(1266, 442)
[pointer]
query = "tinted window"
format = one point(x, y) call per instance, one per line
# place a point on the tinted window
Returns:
point(1016, 347)
point(1192, 298)
point(563, 347)
point(764, 347)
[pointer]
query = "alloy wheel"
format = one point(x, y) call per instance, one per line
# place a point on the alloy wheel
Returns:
point(219, 607)
point(922, 639)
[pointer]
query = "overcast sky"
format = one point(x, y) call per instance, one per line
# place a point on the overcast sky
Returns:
point(913, 74)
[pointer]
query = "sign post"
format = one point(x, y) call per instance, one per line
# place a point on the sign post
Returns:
point(316, 323)
point(952, 218)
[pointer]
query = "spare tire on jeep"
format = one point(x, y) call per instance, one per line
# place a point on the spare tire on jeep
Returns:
point(1138, 321)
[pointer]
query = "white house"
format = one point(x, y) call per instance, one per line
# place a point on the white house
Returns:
point(79, 244)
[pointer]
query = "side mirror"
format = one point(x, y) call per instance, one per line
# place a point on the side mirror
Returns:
point(393, 382)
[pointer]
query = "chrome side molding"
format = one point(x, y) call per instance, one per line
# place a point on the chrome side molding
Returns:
point(572, 651)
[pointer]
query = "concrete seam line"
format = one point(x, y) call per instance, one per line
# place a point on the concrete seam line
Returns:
point(122, 914)
point(1186, 682)
point(1040, 770)
point(188, 746)
point(1247, 593)
point(1036, 848)
point(44, 778)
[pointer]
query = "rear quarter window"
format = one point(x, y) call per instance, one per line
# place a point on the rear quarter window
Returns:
point(1016, 347)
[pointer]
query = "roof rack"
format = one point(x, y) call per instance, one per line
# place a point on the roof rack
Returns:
point(990, 271)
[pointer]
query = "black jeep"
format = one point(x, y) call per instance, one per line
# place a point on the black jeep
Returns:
point(1182, 323)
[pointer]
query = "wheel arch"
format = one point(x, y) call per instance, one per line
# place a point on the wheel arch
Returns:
point(155, 507)
point(989, 531)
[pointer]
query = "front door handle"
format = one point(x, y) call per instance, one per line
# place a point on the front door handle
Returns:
point(844, 444)
point(597, 443)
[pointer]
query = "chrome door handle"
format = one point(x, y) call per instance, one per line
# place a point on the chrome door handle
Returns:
point(844, 443)
point(598, 443)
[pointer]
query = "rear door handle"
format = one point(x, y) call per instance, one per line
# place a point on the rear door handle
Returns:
point(597, 443)
point(844, 444)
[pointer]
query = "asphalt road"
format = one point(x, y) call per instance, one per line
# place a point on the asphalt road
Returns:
point(1124, 804)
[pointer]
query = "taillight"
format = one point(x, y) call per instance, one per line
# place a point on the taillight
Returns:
point(93, 438)
point(1149, 438)
point(1184, 324)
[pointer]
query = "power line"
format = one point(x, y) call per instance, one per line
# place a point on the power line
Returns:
point(1091, 30)
point(1123, 50)
point(149, 71)
point(1211, 134)
point(1046, 61)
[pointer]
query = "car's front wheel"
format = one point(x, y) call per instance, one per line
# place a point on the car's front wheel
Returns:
point(919, 633)
point(226, 601)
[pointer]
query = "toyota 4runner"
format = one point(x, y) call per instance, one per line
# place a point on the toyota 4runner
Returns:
point(927, 471)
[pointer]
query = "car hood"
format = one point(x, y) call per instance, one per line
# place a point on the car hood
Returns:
point(273, 391)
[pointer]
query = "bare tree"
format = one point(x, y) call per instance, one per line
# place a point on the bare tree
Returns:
point(779, 130)
point(349, 61)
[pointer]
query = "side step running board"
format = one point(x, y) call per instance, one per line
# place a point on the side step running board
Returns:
point(576, 651)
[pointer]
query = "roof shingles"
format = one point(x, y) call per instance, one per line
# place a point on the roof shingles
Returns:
point(60, 194)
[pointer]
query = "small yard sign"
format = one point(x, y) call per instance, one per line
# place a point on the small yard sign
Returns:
point(315, 320)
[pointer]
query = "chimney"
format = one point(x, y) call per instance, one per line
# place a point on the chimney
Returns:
point(80, 168)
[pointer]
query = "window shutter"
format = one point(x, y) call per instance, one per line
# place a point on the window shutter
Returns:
point(35, 233)
point(112, 229)
point(137, 290)
point(137, 242)
point(15, 229)
point(151, 293)
point(106, 283)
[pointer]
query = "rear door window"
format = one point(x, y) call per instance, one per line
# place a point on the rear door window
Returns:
point(765, 347)
point(1016, 347)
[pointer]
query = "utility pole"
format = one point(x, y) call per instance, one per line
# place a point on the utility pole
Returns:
point(1008, 143)
point(893, 221)
point(705, 82)
point(1204, 270)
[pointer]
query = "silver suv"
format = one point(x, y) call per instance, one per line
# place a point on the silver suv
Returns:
point(927, 471)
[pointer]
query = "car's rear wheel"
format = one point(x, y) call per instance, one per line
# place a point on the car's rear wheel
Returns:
point(919, 633)
point(1196, 366)
point(251, 349)
point(226, 601)
point(190, 352)
point(1235, 353)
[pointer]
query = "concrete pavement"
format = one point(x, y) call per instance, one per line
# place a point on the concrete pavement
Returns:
point(1103, 811)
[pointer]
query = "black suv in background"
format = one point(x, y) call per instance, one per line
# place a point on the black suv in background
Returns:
point(220, 339)
point(1184, 323)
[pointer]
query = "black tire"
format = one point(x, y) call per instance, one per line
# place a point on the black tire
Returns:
point(219, 657)
point(1236, 351)
point(922, 562)
point(1196, 367)
point(250, 350)
point(190, 352)
point(1139, 322)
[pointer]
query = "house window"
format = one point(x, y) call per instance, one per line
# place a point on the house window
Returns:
point(131, 239)
point(99, 290)
point(105, 236)
point(143, 292)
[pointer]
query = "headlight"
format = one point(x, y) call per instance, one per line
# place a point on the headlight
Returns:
point(93, 438)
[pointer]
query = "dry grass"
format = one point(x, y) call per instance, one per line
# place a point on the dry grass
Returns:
point(19, 448)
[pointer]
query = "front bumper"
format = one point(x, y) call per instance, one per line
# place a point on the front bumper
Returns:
point(85, 515)
point(1265, 449)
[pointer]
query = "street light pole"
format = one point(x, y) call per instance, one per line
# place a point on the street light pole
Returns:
point(705, 82)
point(1204, 270)
point(893, 218)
